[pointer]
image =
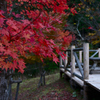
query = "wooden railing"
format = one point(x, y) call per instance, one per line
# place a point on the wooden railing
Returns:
point(80, 55)
point(79, 65)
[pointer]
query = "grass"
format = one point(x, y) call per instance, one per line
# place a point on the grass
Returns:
point(29, 88)
point(49, 79)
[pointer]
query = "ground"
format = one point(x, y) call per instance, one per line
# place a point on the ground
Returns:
point(55, 89)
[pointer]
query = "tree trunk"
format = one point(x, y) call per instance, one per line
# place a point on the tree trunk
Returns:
point(3, 5)
point(3, 80)
point(3, 87)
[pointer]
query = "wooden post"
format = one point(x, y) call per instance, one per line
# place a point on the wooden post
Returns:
point(60, 61)
point(99, 53)
point(80, 56)
point(86, 97)
point(86, 60)
point(72, 61)
point(66, 60)
point(60, 67)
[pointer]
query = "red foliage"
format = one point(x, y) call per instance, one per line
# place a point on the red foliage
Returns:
point(90, 27)
point(18, 37)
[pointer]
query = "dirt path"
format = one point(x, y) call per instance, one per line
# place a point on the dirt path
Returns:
point(55, 89)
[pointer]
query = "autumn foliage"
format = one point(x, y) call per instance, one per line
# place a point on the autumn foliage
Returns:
point(33, 29)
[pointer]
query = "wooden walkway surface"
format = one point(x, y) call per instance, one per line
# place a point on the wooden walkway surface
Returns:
point(94, 79)
point(82, 69)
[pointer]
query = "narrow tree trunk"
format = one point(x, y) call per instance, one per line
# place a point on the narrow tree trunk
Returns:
point(3, 5)
point(3, 87)
point(3, 80)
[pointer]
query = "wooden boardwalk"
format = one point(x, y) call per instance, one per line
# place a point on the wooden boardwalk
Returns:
point(76, 79)
point(85, 75)
point(93, 82)
point(94, 79)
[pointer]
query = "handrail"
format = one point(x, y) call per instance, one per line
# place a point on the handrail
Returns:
point(83, 53)
point(93, 50)
point(80, 77)
point(68, 50)
point(79, 64)
point(94, 54)
point(68, 70)
point(78, 49)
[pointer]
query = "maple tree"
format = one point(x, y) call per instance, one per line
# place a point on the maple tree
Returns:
point(19, 35)
point(26, 27)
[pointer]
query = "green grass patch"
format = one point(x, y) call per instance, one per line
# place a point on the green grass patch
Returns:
point(29, 88)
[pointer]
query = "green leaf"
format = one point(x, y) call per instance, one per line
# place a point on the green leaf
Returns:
point(74, 94)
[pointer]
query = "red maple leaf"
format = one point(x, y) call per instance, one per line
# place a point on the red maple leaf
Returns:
point(12, 24)
point(2, 49)
point(14, 55)
point(55, 59)
point(90, 27)
point(7, 52)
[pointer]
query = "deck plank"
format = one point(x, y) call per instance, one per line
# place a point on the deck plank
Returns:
point(94, 79)
point(77, 80)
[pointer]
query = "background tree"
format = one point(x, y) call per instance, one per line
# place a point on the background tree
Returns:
point(86, 23)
